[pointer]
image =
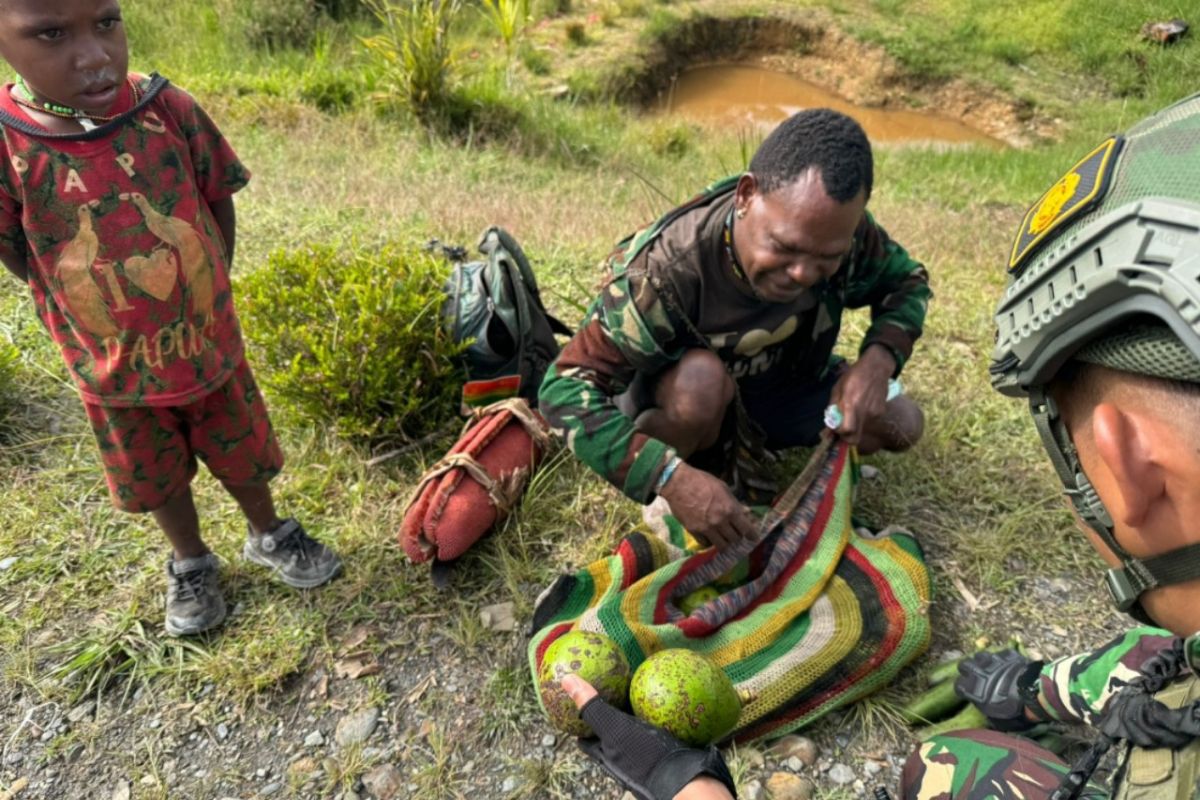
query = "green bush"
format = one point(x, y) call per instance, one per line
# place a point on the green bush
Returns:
point(278, 24)
point(485, 111)
point(414, 53)
point(330, 91)
point(353, 339)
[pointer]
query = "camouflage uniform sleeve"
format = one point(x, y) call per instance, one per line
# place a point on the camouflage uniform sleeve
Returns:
point(895, 286)
point(1077, 688)
point(627, 330)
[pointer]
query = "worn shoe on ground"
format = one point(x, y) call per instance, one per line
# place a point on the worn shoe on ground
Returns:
point(299, 560)
point(194, 601)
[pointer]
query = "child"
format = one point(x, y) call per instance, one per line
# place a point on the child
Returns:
point(116, 207)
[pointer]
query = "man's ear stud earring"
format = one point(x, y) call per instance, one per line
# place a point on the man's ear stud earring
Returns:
point(741, 213)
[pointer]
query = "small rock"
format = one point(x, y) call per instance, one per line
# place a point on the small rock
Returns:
point(786, 786)
point(872, 768)
point(549, 740)
point(222, 731)
point(841, 774)
point(843, 740)
point(498, 617)
point(123, 791)
point(752, 790)
point(80, 711)
point(860, 786)
point(153, 724)
point(509, 785)
point(7, 563)
point(800, 747)
point(794, 764)
point(314, 739)
point(270, 789)
point(356, 728)
point(384, 782)
point(262, 772)
point(752, 757)
point(303, 766)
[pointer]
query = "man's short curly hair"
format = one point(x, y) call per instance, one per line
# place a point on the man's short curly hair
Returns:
point(823, 138)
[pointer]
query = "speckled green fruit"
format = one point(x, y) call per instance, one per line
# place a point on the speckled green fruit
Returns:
point(688, 695)
point(593, 657)
point(698, 598)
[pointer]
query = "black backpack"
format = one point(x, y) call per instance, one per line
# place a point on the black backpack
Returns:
point(496, 306)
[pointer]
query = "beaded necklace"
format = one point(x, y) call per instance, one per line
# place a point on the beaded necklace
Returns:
point(87, 121)
point(731, 254)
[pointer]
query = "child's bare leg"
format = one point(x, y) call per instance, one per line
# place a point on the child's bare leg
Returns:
point(180, 523)
point(257, 504)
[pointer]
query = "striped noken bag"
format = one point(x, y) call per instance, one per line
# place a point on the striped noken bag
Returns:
point(815, 617)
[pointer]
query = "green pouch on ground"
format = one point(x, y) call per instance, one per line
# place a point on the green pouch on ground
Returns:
point(819, 617)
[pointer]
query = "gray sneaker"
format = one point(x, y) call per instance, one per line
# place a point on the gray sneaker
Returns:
point(194, 602)
point(300, 560)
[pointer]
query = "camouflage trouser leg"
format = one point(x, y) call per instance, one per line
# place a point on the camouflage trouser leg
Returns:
point(984, 765)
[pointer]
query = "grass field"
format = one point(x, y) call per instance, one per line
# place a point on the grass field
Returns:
point(82, 602)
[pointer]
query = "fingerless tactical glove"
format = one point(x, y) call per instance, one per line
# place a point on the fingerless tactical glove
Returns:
point(647, 761)
point(1002, 685)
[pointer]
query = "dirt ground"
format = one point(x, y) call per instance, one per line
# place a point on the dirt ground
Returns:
point(330, 733)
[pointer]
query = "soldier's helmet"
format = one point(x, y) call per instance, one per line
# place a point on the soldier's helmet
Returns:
point(1106, 269)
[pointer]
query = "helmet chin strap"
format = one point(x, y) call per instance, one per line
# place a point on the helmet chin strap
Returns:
point(1127, 582)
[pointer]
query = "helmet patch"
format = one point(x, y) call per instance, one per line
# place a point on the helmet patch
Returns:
point(1074, 193)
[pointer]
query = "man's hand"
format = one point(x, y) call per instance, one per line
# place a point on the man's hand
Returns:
point(705, 507)
point(1001, 685)
point(648, 761)
point(861, 393)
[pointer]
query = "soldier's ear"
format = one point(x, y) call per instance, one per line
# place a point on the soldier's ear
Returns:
point(1126, 444)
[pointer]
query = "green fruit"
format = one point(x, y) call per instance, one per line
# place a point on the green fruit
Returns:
point(698, 598)
point(593, 657)
point(687, 695)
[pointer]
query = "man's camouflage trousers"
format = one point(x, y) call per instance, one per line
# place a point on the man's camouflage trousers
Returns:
point(982, 764)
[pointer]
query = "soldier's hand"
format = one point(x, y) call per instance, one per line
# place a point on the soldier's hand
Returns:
point(704, 506)
point(1001, 685)
point(861, 393)
point(648, 761)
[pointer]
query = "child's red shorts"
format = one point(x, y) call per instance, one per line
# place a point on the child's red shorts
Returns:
point(149, 452)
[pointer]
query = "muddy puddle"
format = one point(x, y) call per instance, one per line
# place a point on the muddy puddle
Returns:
point(743, 95)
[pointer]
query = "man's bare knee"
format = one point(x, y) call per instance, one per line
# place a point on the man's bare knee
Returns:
point(696, 391)
point(898, 429)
